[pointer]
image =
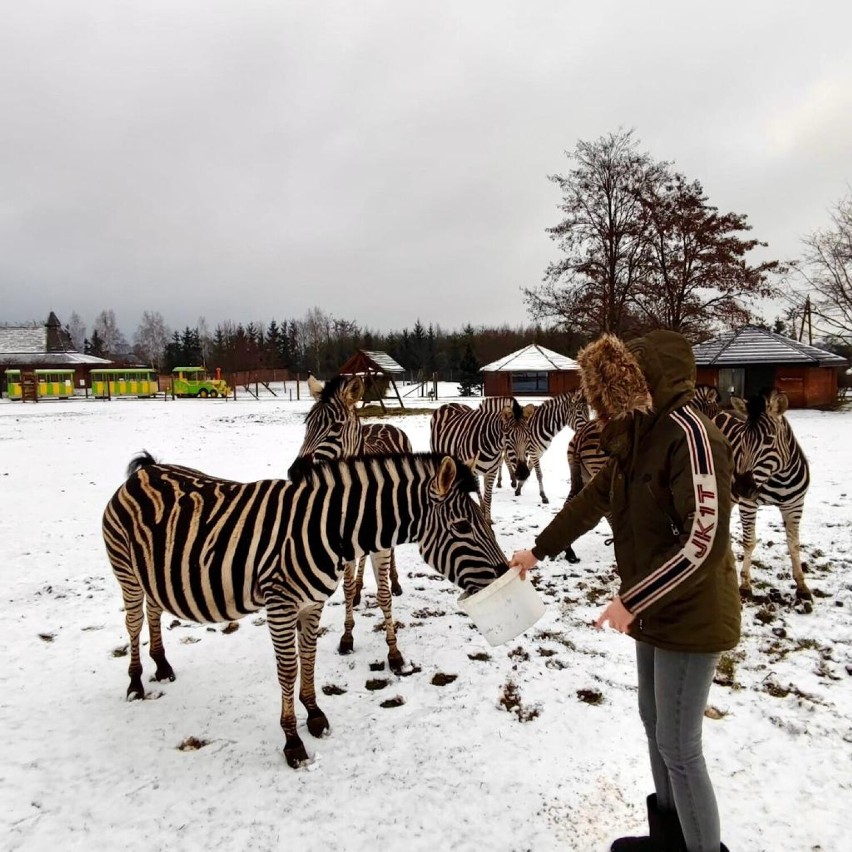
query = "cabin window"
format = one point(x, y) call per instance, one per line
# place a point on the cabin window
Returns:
point(530, 383)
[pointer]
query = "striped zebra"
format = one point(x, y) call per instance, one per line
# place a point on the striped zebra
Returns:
point(484, 434)
point(552, 416)
point(770, 469)
point(585, 459)
point(212, 550)
point(331, 418)
point(707, 400)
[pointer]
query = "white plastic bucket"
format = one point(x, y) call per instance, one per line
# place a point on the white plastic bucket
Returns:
point(505, 608)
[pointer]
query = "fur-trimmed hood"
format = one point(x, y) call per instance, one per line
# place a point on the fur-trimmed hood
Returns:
point(656, 372)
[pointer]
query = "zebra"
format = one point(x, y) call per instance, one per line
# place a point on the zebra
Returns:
point(568, 409)
point(585, 459)
point(707, 400)
point(484, 434)
point(770, 469)
point(210, 550)
point(331, 417)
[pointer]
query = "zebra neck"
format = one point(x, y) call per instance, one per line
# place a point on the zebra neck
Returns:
point(376, 504)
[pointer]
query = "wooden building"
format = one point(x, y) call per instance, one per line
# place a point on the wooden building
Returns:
point(378, 370)
point(531, 371)
point(745, 362)
point(45, 346)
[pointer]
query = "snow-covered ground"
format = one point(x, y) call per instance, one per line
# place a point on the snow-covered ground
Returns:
point(451, 767)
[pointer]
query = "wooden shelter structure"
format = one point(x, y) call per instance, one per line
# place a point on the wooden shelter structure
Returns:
point(378, 370)
point(747, 361)
point(42, 346)
point(531, 371)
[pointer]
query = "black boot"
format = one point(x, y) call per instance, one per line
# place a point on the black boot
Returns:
point(656, 842)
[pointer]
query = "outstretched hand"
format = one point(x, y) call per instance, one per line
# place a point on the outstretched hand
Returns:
point(617, 614)
point(525, 560)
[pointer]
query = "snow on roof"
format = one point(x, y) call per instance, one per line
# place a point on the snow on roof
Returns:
point(383, 360)
point(752, 345)
point(531, 359)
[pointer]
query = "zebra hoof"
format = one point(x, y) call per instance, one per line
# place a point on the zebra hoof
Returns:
point(295, 753)
point(346, 646)
point(571, 556)
point(317, 723)
point(544, 500)
point(136, 692)
point(164, 672)
point(396, 589)
point(396, 662)
point(745, 593)
point(804, 595)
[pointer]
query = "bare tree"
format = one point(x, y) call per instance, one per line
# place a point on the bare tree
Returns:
point(602, 238)
point(697, 276)
point(113, 339)
point(826, 269)
point(76, 328)
point(151, 339)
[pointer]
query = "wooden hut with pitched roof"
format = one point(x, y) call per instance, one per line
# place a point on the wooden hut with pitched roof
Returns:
point(745, 362)
point(44, 347)
point(531, 371)
point(378, 370)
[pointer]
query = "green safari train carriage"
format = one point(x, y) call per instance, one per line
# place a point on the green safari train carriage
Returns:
point(50, 384)
point(124, 381)
point(197, 381)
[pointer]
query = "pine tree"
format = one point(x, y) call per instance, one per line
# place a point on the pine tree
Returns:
point(470, 384)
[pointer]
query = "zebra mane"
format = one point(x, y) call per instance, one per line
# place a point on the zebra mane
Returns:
point(756, 406)
point(517, 411)
point(331, 387)
point(302, 468)
point(137, 462)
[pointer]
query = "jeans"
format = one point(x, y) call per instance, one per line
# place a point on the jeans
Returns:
point(673, 690)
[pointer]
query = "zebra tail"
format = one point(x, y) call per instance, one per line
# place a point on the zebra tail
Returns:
point(142, 460)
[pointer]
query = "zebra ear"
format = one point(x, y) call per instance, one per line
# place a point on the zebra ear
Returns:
point(529, 410)
point(354, 391)
point(740, 407)
point(315, 387)
point(446, 476)
point(508, 413)
point(777, 403)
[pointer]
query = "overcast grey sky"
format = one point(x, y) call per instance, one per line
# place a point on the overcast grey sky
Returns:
point(382, 160)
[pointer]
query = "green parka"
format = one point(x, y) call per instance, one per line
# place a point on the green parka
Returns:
point(667, 488)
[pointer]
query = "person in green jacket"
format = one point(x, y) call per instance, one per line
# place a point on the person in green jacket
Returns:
point(667, 489)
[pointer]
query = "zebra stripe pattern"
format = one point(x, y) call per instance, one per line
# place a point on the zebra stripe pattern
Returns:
point(209, 549)
point(707, 400)
point(770, 469)
point(332, 420)
point(483, 435)
point(552, 416)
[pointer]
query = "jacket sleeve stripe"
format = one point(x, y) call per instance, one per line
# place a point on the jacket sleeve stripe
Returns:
point(704, 521)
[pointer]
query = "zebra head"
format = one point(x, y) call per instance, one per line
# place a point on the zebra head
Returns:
point(577, 409)
point(707, 400)
point(515, 421)
point(332, 428)
point(762, 448)
point(456, 540)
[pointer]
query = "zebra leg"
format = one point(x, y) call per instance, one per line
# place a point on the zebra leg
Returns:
point(541, 493)
point(157, 651)
point(281, 617)
point(381, 568)
point(396, 589)
point(791, 528)
point(347, 642)
point(748, 516)
point(359, 581)
point(487, 493)
point(134, 616)
point(309, 619)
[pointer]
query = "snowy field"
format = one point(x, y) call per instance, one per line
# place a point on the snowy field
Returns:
point(535, 745)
